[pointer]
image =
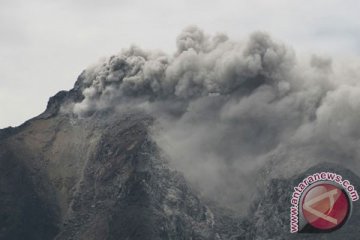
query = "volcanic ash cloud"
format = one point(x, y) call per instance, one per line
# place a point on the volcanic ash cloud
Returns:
point(227, 109)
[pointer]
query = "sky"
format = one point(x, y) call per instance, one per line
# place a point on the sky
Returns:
point(44, 45)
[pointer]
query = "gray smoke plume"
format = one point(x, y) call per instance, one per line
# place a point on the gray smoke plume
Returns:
point(233, 114)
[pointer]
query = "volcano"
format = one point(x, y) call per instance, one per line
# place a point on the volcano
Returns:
point(244, 127)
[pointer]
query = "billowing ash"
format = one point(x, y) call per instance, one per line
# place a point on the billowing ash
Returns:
point(202, 66)
point(227, 109)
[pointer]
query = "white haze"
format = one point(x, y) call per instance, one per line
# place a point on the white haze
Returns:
point(226, 110)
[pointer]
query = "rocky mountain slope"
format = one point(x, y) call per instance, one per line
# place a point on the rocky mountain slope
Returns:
point(103, 177)
point(64, 178)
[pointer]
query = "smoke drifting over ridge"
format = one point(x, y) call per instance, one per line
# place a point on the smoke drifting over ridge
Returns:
point(203, 65)
point(227, 109)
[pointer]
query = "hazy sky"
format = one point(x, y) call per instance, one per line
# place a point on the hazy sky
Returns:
point(44, 45)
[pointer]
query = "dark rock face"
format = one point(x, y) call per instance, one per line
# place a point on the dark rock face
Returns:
point(24, 214)
point(64, 178)
point(103, 177)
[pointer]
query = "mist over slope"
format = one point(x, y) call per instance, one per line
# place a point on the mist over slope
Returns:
point(227, 109)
